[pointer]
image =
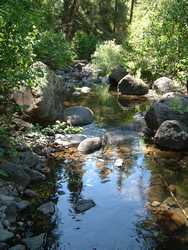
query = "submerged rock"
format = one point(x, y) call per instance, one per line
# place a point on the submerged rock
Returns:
point(84, 205)
point(78, 115)
point(47, 208)
point(172, 135)
point(30, 193)
point(36, 242)
point(90, 145)
point(132, 86)
point(117, 137)
point(172, 219)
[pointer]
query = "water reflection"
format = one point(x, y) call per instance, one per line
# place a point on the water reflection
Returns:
point(119, 194)
point(120, 220)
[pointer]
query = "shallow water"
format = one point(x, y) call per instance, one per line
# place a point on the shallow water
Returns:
point(119, 196)
point(120, 219)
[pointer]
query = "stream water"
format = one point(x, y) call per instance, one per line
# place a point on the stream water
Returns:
point(120, 220)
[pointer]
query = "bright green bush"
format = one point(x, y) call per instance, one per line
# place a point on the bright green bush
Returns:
point(84, 45)
point(159, 38)
point(17, 36)
point(53, 49)
point(107, 56)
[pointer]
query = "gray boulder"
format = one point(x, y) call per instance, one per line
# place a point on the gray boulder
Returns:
point(116, 75)
point(90, 145)
point(172, 135)
point(132, 86)
point(163, 85)
point(169, 107)
point(78, 115)
point(44, 103)
point(5, 235)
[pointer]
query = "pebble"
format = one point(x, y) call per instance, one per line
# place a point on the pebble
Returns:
point(118, 163)
point(155, 204)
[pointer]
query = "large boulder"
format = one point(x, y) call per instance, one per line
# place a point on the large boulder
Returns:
point(132, 86)
point(163, 85)
point(45, 102)
point(172, 135)
point(90, 145)
point(116, 75)
point(169, 107)
point(78, 115)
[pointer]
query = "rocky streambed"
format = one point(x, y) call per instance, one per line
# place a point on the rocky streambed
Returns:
point(124, 194)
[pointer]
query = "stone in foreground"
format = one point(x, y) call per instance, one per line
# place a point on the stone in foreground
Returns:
point(172, 135)
point(90, 145)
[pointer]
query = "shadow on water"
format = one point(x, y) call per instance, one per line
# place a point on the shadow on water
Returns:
point(120, 219)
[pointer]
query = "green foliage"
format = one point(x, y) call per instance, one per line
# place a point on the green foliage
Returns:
point(84, 45)
point(107, 56)
point(58, 127)
point(104, 19)
point(17, 35)
point(53, 49)
point(7, 143)
point(158, 37)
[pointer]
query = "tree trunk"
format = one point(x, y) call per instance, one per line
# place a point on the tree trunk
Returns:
point(132, 10)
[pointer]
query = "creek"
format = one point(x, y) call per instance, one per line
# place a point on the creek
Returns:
point(120, 219)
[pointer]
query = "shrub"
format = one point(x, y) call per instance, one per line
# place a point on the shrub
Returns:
point(159, 38)
point(17, 36)
point(58, 127)
point(53, 49)
point(84, 45)
point(107, 56)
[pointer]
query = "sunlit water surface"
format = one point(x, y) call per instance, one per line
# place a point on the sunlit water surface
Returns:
point(120, 218)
